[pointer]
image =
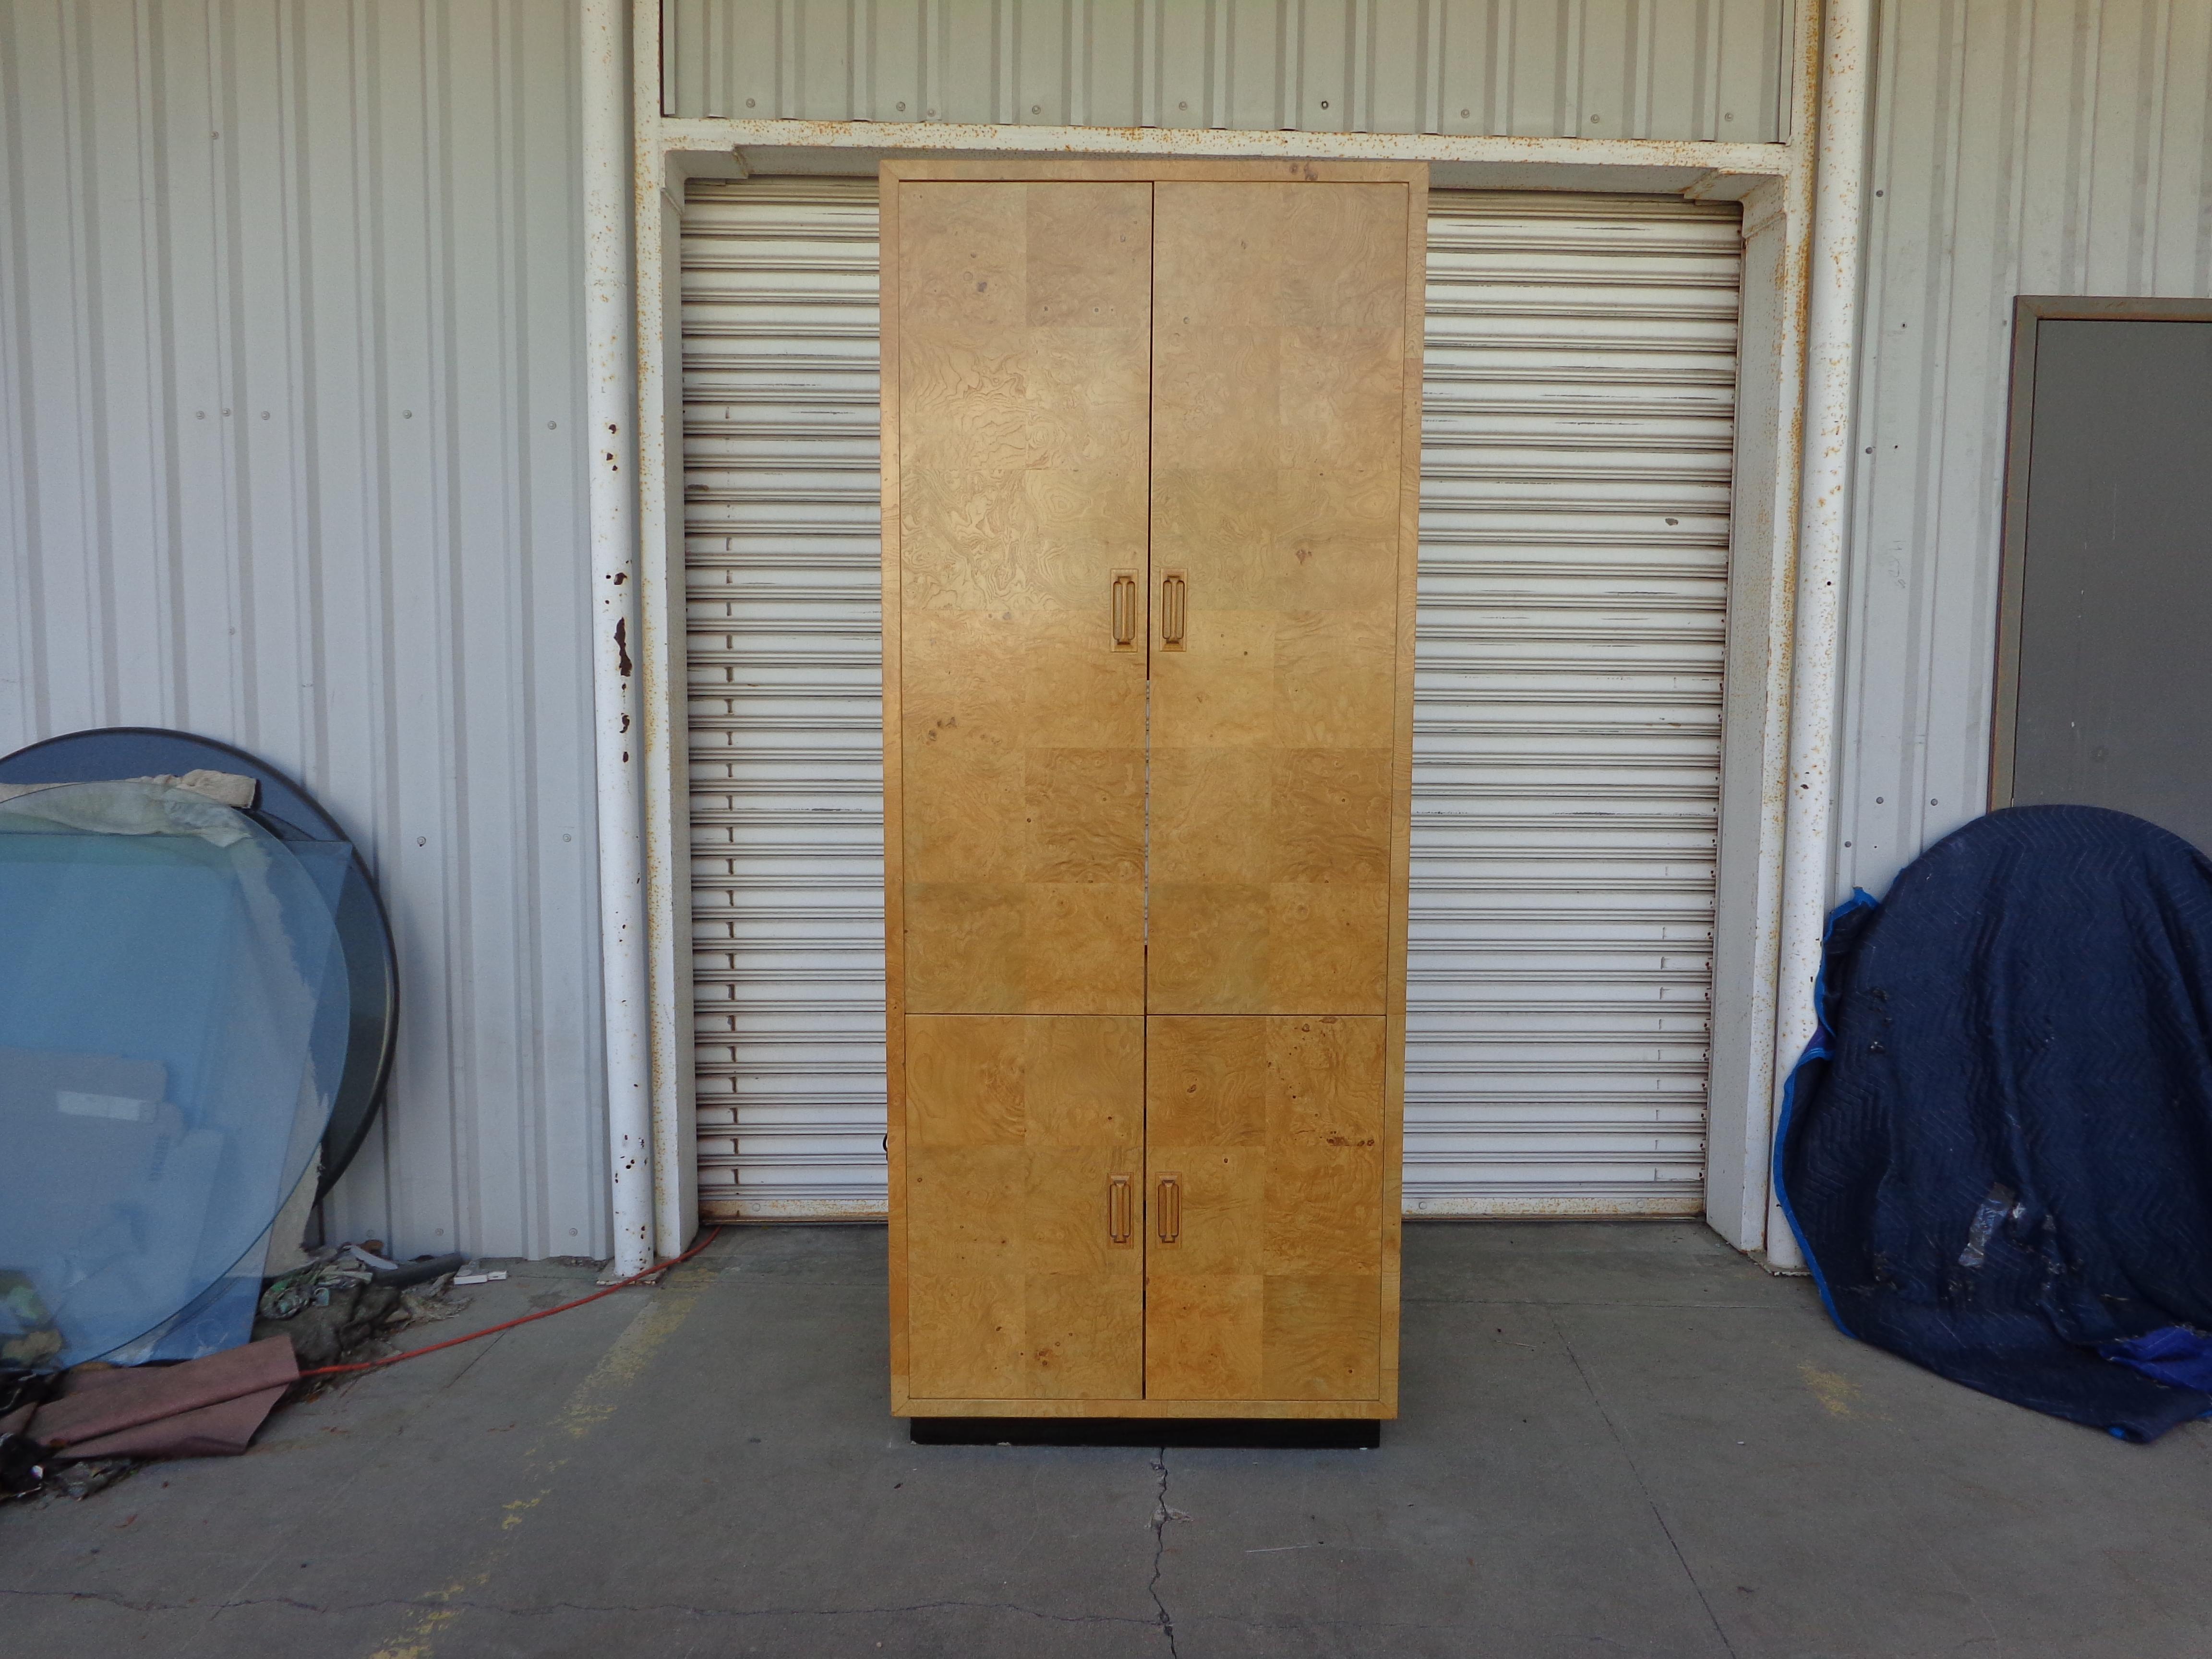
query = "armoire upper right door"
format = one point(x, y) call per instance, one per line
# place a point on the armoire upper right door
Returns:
point(1280, 438)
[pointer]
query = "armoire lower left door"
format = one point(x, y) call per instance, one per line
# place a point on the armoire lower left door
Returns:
point(1016, 475)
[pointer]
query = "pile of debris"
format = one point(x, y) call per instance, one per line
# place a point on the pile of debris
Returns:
point(348, 1297)
point(69, 1433)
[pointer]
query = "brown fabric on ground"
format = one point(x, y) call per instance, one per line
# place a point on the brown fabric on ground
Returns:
point(201, 1408)
point(219, 1431)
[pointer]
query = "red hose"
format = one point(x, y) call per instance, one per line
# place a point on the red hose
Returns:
point(493, 1330)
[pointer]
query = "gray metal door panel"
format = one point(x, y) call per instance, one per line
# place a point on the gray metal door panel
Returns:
point(2112, 665)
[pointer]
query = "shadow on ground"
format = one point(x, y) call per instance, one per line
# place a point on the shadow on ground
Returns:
point(1618, 1439)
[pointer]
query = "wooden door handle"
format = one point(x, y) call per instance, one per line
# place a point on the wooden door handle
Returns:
point(1169, 1208)
point(1121, 1210)
point(1173, 594)
point(1125, 610)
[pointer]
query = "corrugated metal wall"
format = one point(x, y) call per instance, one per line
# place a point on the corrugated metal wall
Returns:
point(2021, 146)
point(290, 382)
point(1605, 68)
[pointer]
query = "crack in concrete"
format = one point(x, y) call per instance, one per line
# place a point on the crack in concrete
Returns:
point(1306, 1623)
point(110, 1598)
point(106, 1596)
point(1652, 1503)
point(548, 1608)
point(947, 1604)
point(1161, 1514)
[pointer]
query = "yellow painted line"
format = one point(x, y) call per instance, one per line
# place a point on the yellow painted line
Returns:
point(596, 1399)
point(1832, 1390)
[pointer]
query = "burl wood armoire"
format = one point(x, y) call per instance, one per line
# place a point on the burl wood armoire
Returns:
point(1150, 468)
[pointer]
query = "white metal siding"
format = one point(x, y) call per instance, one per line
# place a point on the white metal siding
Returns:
point(2019, 147)
point(1568, 69)
point(291, 374)
point(782, 548)
point(1578, 420)
point(1582, 361)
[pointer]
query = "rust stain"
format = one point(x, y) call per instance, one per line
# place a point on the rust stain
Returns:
point(621, 645)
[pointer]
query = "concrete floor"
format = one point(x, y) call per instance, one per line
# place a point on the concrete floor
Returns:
point(1618, 1439)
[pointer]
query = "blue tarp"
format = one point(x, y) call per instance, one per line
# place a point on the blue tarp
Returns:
point(1997, 1151)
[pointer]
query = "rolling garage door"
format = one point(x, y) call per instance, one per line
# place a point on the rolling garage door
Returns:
point(1575, 466)
point(1576, 439)
point(782, 554)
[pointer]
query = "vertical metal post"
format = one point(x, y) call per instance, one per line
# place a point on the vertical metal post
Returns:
point(611, 410)
point(657, 207)
point(1824, 501)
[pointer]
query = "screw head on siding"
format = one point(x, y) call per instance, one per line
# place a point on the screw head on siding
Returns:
point(749, 103)
point(552, 426)
point(901, 107)
point(1036, 109)
point(1464, 113)
point(1324, 103)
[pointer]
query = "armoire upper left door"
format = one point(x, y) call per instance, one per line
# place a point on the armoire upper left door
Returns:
point(1017, 431)
point(1023, 415)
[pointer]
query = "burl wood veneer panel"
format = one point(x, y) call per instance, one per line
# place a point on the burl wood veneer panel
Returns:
point(1023, 383)
point(1016, 1125)
point(1273, 1128)
point(1278, 369)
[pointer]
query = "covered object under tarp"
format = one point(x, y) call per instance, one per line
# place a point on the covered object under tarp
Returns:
point(1998, 1152)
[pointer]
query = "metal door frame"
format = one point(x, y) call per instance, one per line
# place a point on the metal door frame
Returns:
point(1785, 549)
